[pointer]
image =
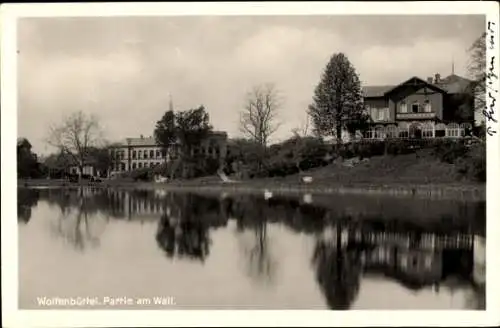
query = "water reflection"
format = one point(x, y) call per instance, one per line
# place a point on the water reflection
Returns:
point(353, 239)
point(183, 230)
point(26, 200)
point(78, 222)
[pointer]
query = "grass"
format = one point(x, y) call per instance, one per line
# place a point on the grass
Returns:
point(411, 174)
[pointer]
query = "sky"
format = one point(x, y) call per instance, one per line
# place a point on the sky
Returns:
point(124, 69)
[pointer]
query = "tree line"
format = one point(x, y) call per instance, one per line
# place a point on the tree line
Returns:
point(337, 107)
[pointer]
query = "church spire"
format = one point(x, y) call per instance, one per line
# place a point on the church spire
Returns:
point(170, 103)
point(453, 66)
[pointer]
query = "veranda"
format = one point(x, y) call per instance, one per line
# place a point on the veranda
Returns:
point(417, 130)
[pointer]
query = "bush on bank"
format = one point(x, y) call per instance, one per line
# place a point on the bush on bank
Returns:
point(295, 155)
point(298, 154)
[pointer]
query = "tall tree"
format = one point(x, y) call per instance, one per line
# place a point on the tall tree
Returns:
point(189, 127)
point(75, 136)
point(192, 127)
point(477, 71)
point(27, 163)
point(102, 157)
point(258, 120)
point(337, 101)
point(165, 132)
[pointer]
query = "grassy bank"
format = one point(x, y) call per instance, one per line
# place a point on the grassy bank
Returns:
point(409, 175)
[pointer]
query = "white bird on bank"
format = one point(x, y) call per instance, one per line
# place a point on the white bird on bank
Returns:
point(267, 194)
point(307, 179)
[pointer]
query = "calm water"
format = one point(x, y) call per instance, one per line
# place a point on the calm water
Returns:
point(101, 248)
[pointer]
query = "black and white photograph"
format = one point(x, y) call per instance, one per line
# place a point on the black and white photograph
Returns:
point(249, 158)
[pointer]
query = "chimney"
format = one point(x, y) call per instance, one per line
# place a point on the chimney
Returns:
point(437, 78)
point(142, 137)
point(430, 80)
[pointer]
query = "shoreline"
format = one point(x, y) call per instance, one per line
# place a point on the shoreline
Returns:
point(472, 192)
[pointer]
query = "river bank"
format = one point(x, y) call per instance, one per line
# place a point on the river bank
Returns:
point(475, 192)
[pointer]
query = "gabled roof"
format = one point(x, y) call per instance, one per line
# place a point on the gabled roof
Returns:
point(419, 80)
point(375, 91)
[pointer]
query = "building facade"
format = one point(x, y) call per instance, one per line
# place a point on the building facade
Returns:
point(418, 108)
point(144, 152)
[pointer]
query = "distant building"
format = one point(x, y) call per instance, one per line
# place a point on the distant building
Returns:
point(418, 108)
point(89, 167)
point(143, 152)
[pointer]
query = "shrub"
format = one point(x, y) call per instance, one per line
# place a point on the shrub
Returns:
point(366, 149)
point(449, 151)
point(473, 165)
point(399, 147)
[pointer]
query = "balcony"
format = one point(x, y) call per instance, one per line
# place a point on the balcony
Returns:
point(415, 116)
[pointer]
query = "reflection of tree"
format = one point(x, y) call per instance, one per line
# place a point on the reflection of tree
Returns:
point(82, 229)
point(26, 199)
point(476, 298)
point(252, 215)
point(183, 230)
point(338, 272)
point(261, 264)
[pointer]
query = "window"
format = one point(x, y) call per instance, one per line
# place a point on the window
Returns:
point(404, 133)
point(381, 115)
point(134, 154)
point(140, 165)
point(123, 166)
point(369, 134)
point(134, 166)
point(146, 164)
point(427, 106)
point(139, 154)
point(380, 133)
point(151, 154)
point(158, 154)
point(145, 154)
point(392, 132)
point(453, 130)
point(440, 130)
point(403, 108)
point(415, 107)
point(466, 129)
point(428, 130)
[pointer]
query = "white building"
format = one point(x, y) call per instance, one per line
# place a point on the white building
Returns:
point(143, 152)
point(136, 153)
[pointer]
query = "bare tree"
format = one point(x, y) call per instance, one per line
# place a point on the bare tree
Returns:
point(75, 136)
point(303, 130)
point(258, 120)
point(477, 71)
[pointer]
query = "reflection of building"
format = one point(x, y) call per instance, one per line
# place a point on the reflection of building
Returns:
point(143, 152)
point(134, 204)
point(419, 108)
point(414, 260)
point(414, 267)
